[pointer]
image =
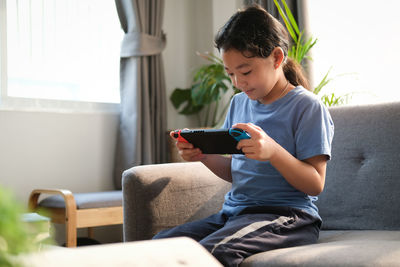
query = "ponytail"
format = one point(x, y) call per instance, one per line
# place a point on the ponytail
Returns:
point(294, 73)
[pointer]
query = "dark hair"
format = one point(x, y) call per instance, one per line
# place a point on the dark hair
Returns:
point(256, 33)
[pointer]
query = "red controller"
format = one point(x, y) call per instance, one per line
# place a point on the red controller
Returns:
point(177, 136)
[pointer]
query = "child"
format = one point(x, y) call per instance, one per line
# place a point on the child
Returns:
point(274, 184)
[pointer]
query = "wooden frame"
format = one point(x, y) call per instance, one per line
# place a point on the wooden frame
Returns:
point(74, 218)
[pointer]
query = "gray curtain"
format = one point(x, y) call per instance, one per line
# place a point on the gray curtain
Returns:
point(141, 138)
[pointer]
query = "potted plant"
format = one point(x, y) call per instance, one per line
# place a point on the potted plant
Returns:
point(203, 98)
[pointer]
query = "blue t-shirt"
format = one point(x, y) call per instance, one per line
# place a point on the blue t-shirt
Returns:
point(302, 125)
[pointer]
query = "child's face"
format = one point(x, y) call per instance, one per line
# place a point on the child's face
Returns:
point(254, 76)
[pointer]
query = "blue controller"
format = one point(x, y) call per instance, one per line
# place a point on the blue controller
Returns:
point(238, 134)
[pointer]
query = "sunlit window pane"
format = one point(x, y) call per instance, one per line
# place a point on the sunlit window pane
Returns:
point(63, 49)
point(359, 40)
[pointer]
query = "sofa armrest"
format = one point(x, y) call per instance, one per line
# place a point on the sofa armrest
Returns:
point(161, 196)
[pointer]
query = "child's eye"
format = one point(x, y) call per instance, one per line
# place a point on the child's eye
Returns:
point(246, 73)
point(230, 74)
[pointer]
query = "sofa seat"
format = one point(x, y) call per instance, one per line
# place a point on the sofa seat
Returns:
point(337, 248)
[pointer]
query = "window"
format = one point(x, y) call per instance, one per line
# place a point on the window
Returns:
point(359, 40)
point(63, 50)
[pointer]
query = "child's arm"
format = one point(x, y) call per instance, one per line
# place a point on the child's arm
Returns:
point(307, 176)
point(218, 164)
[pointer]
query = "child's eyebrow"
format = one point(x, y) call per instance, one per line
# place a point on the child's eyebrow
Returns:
point(240, 66)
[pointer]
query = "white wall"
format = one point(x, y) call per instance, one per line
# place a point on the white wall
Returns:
point(62, 150)
point(75, 151)
point(72, 151)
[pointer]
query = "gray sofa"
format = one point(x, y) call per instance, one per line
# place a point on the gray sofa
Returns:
point(360, 205)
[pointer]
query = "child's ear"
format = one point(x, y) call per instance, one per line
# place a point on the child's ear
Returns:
point(279, 56)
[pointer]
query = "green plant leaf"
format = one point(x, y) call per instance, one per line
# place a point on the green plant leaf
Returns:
point(182, 101)
point(210, 57)
point(325, 80)
point(180, 96)
point(291, 17)
point(197, 94)
point(190, 109)
point(286, 21)
point(16, 235)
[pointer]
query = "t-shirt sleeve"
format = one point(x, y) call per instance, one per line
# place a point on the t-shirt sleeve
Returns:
point(314, 133)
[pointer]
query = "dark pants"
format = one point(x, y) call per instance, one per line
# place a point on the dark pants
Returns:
point(232, 239)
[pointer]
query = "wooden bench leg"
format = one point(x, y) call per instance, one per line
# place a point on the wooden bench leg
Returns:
point(70, 230)
point(91, 232)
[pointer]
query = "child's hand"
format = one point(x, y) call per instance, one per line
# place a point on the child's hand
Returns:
point(260, 146)
point(187, 151)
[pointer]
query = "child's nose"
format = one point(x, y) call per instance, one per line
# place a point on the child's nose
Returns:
point(238, 82)
point(234, 81)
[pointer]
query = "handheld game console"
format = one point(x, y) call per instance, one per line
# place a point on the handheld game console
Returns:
point(213, 141)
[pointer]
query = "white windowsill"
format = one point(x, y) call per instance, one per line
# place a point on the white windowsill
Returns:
point(57, 106)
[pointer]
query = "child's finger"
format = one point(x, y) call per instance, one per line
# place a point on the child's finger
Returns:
point(184, 145)
point(191, 154)
point(244, 143)
point(248, 127)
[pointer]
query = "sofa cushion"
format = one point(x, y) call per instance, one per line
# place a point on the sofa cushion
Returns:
point(337, 248)
point(363, 176)
point(86, 200)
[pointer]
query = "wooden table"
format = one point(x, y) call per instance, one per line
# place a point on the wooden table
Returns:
point(180, 251)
